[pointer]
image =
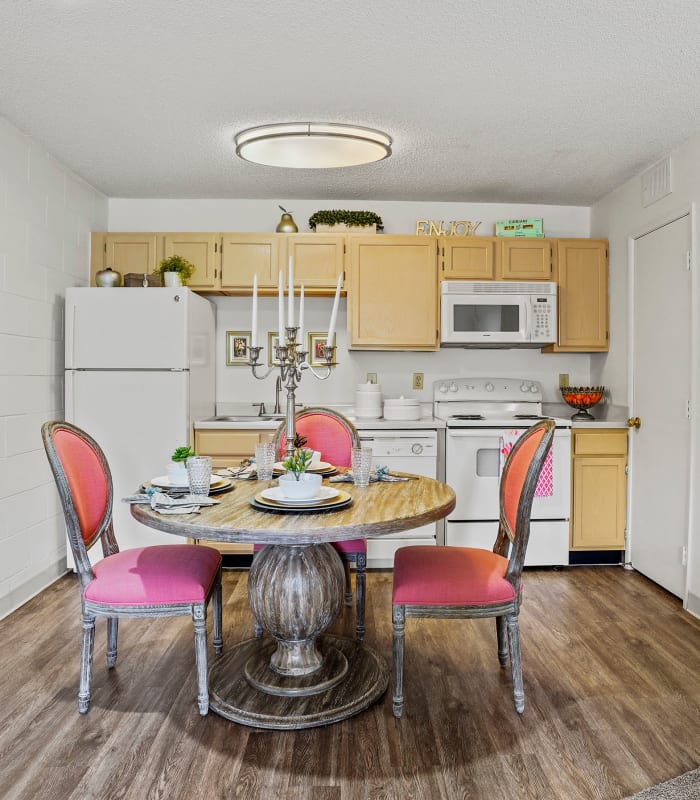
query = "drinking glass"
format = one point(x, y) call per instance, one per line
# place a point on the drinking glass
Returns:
point(199, 474)
point(361, 465)
point(264, 460)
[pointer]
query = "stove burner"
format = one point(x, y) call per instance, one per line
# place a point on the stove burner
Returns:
point(528, 416)
point(467, 416)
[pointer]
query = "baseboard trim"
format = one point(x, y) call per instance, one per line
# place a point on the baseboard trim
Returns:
point(693, 604)
point(24, 592)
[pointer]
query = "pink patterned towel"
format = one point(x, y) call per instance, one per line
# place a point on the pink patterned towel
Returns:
point(545, 485)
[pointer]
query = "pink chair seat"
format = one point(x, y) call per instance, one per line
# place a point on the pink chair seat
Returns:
point(351, 546)
point(450, 576)
point(161, 575)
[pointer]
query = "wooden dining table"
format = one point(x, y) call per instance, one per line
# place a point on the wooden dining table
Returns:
point(298, 676)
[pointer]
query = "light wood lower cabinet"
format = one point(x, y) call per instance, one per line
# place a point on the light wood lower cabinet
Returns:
point(228, 448)
point(599, 490)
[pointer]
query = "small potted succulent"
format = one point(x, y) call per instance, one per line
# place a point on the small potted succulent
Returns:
point(177, 468)
point(296, 483)
point(175, 271)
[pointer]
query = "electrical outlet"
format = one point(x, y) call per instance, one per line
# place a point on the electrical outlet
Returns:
point(564, 379)
point(371, 377)
point(417, 380)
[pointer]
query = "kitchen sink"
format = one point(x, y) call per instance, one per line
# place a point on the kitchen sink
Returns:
point(247, 418)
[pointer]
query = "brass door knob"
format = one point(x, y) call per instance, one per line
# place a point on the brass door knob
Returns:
point(634, 422)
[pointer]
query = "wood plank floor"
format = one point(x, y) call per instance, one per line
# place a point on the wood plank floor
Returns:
point(612, 693)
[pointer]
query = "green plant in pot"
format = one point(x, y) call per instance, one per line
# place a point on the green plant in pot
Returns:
point(353, 219)
point(177, 469)
point(176, 266)
point(296, 483)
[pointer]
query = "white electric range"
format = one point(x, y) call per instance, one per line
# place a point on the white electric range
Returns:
point(481, 415)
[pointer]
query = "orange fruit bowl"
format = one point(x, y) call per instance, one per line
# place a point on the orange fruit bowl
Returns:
point(582, 398)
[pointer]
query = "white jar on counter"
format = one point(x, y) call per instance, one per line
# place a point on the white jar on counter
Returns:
point(368, 401)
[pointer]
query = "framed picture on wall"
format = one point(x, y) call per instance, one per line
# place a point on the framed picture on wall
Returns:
point(237, 344)
point(317, 343)
point(273, 339)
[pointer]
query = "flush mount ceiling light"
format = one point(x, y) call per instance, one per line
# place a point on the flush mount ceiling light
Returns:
point(312, 145)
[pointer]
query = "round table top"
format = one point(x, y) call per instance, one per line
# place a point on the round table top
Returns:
point(379, 509)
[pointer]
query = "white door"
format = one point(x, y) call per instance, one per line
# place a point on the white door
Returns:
point(660, 447)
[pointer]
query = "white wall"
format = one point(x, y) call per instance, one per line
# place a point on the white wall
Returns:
point(619, 216)
point(236, 384)
point(46, 215)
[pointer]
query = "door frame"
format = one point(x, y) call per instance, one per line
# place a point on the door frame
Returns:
point(661, 221)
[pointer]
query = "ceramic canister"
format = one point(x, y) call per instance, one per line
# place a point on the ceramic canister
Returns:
point(368, 401)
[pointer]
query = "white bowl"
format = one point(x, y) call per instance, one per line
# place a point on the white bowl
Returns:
point(305, 488)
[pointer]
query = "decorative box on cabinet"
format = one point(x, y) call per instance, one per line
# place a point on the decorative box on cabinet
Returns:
point(599, 491)
point(393, 293)
point(228, 448)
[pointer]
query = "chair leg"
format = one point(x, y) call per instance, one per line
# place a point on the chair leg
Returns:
point(217, 625)
point(112, 631)
point(86, 662)
point(348, 582)
point(398, 616)
point(360, 576)
point(516, 666)
point(199, 618)
point(502, 637)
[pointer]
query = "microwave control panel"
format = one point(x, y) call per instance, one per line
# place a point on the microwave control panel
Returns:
point(543, 319)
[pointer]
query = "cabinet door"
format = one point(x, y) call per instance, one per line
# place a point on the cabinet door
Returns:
point(245, 254)
point(599, 503)
point(472, 258)
point(527, 259)
point(318, 260)
point(582, 275)
point(202, 250)
point(392, 293)
point(125, 252)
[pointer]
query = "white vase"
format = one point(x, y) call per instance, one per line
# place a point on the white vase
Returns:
point(172, 279)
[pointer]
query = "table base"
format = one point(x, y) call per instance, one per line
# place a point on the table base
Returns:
point(283, 702)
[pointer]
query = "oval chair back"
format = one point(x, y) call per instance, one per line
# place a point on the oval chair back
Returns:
point(325, 430)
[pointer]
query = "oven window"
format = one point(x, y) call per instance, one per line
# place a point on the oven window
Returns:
point(487, 462)
point(468, 318)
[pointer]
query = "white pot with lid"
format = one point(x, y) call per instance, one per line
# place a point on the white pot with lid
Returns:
point(368, 401)
point(404, 408)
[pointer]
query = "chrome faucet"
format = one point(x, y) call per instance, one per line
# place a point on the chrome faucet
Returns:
point(278, 390)
point(262, 408)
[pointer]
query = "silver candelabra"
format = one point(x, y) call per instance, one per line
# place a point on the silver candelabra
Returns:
point(291, 361)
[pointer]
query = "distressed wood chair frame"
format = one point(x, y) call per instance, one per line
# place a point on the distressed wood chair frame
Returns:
point(359, 559)
point(506, 613)
point(91, 610)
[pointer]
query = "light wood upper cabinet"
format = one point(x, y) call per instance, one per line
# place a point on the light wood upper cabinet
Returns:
point(318, 259)
point(124, 252)
point(525, 259)
point(245, 254)
point(582, 276)
point(202, 250)
point(393, 293)
point(470, 258)
point(599, 491)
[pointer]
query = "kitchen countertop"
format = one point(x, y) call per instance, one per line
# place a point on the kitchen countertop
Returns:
point(605, 416)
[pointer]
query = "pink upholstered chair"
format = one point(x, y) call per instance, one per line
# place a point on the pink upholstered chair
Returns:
point(162, 581)
point(457, 582)
point(334, 436)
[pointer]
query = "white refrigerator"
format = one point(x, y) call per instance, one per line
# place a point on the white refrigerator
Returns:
point(139, 370)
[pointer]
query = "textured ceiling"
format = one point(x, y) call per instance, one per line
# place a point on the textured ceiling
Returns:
point(547, 101)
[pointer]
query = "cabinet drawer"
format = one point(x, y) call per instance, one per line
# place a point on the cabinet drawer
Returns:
point(230, 443)
point(604, 442)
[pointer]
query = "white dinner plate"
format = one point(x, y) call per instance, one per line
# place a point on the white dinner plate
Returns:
point(164, 482)
point(319, 466)
point(275, 493)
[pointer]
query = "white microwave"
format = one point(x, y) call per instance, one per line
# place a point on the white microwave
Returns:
point(497, 314)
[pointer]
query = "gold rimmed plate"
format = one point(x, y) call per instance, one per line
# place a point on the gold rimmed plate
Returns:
point(322, 468)
point(335, 503)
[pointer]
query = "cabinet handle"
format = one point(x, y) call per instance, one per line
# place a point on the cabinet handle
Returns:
point(634, 422)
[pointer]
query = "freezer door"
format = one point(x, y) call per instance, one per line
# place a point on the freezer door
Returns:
point(130, 328)
point(138, 419)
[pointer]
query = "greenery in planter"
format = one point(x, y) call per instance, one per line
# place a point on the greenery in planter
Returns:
point(351, 218)
point(299, 459)
point(177, 264)
point(182, 453)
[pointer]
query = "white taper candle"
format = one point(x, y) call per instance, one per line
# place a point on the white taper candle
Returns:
point(334, 313)
point(254, 321)
point(280, 309)
point(301, 319)
point(290, 294)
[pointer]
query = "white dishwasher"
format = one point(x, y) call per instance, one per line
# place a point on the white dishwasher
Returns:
point(413, 451)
